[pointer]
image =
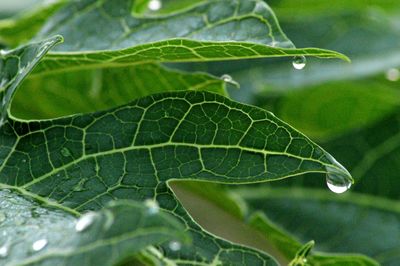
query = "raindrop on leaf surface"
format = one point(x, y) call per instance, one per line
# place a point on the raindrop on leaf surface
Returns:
point(152, 206)
point(299, 62)
point(393, 74)
point(3, 251)
point(154, 5)
point(39, 244)
point(65, 152)
point(174, 245)
point(85, 221)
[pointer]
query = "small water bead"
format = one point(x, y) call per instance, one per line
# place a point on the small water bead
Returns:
point(154, 5)
point(337, 184)
point(226, 78)
point(3, 52)
point(39, 244)
point(85, 221)
point(393, 74)
point(152, 206)
point(4, 251)
point(175, 245)
point(299, 62)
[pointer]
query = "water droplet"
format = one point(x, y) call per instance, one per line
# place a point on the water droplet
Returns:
point(337, 183)
point(85, 221)
point(3, 52)
point(393, 74)
point(152, 206)
point(226, 78)
point(65, 152)
point(4, 251)
point(39, 244)
point(174, 245)
point(154, 5)
point(299, 62)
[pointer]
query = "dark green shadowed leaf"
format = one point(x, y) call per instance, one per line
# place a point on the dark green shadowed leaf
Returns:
point(83, 161)
point(19, 29)
point(351, 223)
point(40, 234)
point(92, 90)
point(211, 30)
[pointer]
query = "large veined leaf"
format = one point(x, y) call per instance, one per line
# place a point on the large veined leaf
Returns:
point(211, 30)
point(37, 234)
point(354, 230)
point(81, 162)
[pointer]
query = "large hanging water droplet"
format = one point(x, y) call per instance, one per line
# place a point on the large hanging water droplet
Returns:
point(39, 244)
point(3, 52)
point(393, 74)
point(299, 62)
point(4, 251)
point(85, 221)
point(337, 184)
point(152, 206)
point(154, 5)
point(175, 245)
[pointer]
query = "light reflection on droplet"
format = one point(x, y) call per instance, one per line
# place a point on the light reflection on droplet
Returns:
point(152, 206)
point(39, 244)
point(85, 221)
point(299, 62)
point(154, 5)
point(393, 74)
point(4, 251)
point(174, 245)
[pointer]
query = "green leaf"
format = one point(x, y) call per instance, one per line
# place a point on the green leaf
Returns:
point(301, 255)
point(82, 162)
point(92, 90)
point(333, 109)
point(211, 30)
point(43, 233)
point(19, 29)
point(345, 224)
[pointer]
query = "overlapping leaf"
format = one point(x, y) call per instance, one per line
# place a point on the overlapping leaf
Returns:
point(44, 233)
point(211, 30)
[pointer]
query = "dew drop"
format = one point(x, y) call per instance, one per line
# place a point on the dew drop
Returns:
point(154, 5)
point(226, 78)
point(174, 245)
point(39, 244)
point(3, 52)
point(152, 206)
point(393, 74)
point(337, 183)
point(85, 221)
point(4, 251)
point(299, 62)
